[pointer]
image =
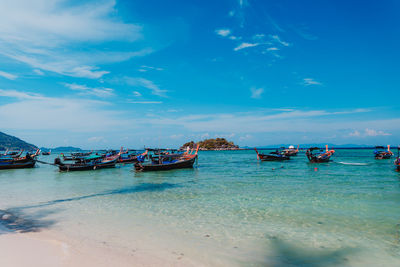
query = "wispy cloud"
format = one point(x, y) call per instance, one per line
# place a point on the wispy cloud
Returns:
point(279, 41)
point(8, 75)
point(223, 32)
point(372, 132)
point(294, 120)
point(96, 91)
point(21, 95)
point(37, 112)
point(256, 92)
point(137, 94)
point(48, 33)
point(145, 102)
point(38, 72)
point(145, 68)
point(368, 133)
point(310, 81)
point(245, 45)
point(144, 83)
point(303, 31)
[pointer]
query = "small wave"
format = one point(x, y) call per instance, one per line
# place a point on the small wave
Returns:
point(353, 163)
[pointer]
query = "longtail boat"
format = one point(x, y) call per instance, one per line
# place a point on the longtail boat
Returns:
point(89, 163)
point(317, 155)
point(28, 161)
point(12, 154)
point(164, 161)
point(291, 151)
point(381, 153)
point(126, 157)
point(277, 155)
point(397, 161)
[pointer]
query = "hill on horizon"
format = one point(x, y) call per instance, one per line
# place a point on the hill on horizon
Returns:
point(14, 143)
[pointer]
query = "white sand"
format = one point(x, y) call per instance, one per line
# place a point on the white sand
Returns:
point(49, 248)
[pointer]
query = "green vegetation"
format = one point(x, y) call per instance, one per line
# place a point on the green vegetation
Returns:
point(212, 144)
point(14, 143)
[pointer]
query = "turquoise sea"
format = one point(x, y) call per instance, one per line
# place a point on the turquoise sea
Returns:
point(230, 210)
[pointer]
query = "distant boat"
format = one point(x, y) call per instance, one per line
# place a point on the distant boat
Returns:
point(318, 155)
point(164, 161)
point(291, 151)
point(28, 161)
point(89, 163)
point(278, 155)
point(12, 154)
point(381, 153)
point(397, 161)
point(46, 153)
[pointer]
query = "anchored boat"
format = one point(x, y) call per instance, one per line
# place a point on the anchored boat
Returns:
point(89, 163)
point(317, 155)
point(291, 151)
point(381, 153)
point(165, 161)
point(397, 161)
point(277, 155)
point(28, 161)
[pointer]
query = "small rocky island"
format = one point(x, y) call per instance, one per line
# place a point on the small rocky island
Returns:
point(212, 144)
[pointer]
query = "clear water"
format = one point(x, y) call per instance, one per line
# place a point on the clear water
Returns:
point(229, 210)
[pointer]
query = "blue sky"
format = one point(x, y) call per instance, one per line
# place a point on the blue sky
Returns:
point(108, 73)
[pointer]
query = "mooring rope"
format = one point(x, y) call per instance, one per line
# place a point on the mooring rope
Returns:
point(44, 162)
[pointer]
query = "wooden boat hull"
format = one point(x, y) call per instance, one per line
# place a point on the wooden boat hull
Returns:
point(397, 164)
point(266, 157)
point(79, 167)
point(165, 167)
point(383, 156)
point(88, 166)
point(17, 165)
point(319, 158)
point(129, 160)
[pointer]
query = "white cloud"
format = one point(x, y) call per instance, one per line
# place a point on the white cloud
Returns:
point(245, 45)
point(310, 81)
point(368, 132)
point(145, 68)
point(372, 132)
point(45, 35)
point(258, 36)
point(279, 41)
point(145, 102)
point(141, 82)
point(272, 49)
point(100, 91)
point(37, 112)
point(137, 94)
point(259, 122)
point(21, 95)
point(355, 133)
point(38, 72)
point(8, 75)
point(256, 92)
point(223, 32)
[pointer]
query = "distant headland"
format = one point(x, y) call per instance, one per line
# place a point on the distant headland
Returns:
point(212, 144)
point(14, 143)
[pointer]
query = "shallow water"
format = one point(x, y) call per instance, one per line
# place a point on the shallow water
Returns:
point(230, 209)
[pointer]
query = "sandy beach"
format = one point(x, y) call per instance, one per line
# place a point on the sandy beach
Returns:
point(50, 248)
